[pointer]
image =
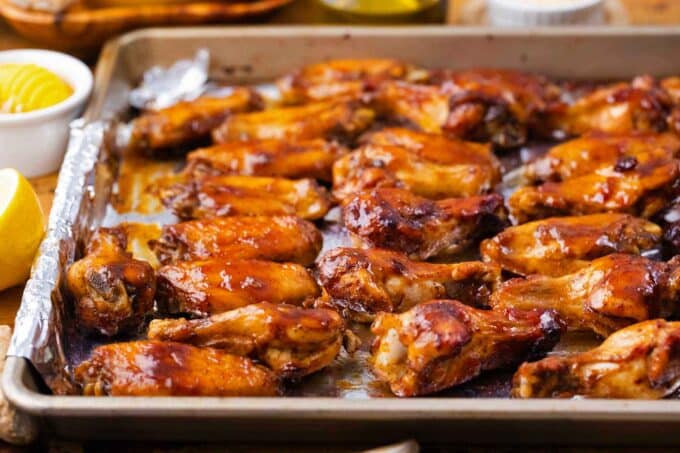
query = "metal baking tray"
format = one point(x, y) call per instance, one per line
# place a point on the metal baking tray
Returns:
point(255, 54)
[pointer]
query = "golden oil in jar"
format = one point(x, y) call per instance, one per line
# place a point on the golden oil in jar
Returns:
point(377, 8)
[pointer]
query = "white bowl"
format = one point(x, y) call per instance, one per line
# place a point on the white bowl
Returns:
point(528, 13)
point(34, 142)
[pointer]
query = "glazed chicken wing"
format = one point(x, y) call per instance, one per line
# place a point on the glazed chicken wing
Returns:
point(443, 343)
point(563, 245)
point(435, 147)
point(203, 288)
point(366, 282)
point(292, 341)
point(187, 123)
point(610, 293)
point(341, 118)
point(597, 150)
point(494, 105)
point(390, 166)
point(638, 362)
point(160, 368)
point(425, 107)
point(289, 159)
point(619, 108)
point(112, 291)
point(396, 219)
point(639, 187)
point(336, 78)
point(218, 196)
point(277, 238)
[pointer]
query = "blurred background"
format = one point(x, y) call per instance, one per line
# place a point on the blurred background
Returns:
point(81, 26)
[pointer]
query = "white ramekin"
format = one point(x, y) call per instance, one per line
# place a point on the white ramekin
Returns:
point(523, 13)
point(34, 142)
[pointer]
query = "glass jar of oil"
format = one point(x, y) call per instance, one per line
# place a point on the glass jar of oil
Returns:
point(380, 8)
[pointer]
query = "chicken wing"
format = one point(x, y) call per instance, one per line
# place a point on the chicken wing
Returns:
point(160, 368)
point(390, 166)
point(500, 106)
point(640, 189)
point(203, 288)
point(187, 123)
point(336, 78)
point(425, 107)
point(218, 196)
point(366, 282)
point(563, 245)
point(289, 159)
point(638, 362)
point(597, 150)
point(341, 119)
point(435, 147)
point(610, 293)
point(277, 238)
point(112, 291)
point(292, 341)
point(618, 108)
point(671, 86)
point(396, 219)
point(443, 343)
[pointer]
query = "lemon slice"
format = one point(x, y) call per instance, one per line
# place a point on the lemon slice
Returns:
point(28, 87)
point(22, 225)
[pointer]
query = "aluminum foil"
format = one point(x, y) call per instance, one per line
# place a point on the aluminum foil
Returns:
point(163, 87)
point(37, 333)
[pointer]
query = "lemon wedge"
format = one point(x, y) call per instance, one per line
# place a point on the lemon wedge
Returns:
point(22, 225)
point(28, 87)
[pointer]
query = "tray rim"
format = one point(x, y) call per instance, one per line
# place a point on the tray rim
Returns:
point(18, 383)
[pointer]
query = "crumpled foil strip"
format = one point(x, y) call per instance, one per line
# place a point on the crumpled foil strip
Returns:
point(37, 332)
point(162, 87)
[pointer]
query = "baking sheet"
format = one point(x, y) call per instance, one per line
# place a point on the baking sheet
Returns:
point(254, 54)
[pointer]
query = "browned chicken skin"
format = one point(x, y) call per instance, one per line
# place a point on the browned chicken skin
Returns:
point(597, 150)
point(204, 288)
point(112, 291)
point(671, 85)
point(638, 362)
point(443, 343)
point(373, 166)
point(188, 122)
point(610, 293)
point(218, 196)
point(563, 245)
point(292, 341)
point(366, 282)
point(640, 187)
point(494, 105)
point(435, 147)
point(618, 108)
point(423, 106)
point(335, 78)
point(276, 238)
point(340, 118)
point(289, 159)
point(396, 219)
point(163, 368)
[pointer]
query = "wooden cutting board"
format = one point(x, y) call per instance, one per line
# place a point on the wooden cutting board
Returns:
point(85, 27)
